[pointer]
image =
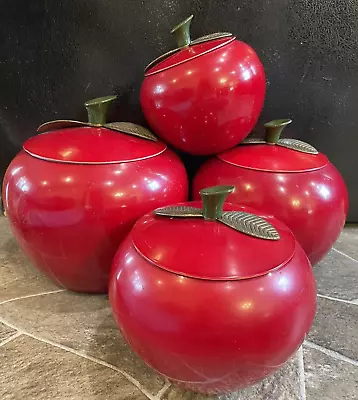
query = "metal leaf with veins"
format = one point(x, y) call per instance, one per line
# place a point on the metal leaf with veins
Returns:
point(246, 223)
point(253, 141)
point(297, 145)
point(202, 39)
point(249, 224)
point(61, 124)
point(211, 36)
point(131, 129)
point(179, 211)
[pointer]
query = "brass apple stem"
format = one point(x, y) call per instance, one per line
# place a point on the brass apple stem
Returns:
point(274, 129)
point(182, 32)
point(213, 201)
point(97, 109)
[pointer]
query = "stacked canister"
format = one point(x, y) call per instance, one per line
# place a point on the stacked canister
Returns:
point(215, 295)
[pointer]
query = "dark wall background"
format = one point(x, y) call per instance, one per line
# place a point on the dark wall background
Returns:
point(55, 55)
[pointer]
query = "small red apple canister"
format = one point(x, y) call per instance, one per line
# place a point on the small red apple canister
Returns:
point(74, 192)
point(206, 95)
point(213, 296)
point(286, 178)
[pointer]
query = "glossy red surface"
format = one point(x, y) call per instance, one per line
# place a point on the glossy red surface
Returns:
point(209, 103)
point(241, 261)
point(312, 204)
point(91, 145)
point(273, 158)
point(211, 336)
point(69, 219)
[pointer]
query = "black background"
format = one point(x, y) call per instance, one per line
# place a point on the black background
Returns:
point(55, 55)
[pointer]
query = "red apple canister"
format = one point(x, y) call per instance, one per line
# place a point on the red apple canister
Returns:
point(75, 190)
point(206, 95)
point(212, 295)
point(286, 178)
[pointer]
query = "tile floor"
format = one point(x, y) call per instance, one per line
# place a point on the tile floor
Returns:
point(60, 345)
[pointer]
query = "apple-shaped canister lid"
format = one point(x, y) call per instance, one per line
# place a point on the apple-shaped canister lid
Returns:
point(217, 241)
point(274, 154)
point(95, 141)
point(204, 96)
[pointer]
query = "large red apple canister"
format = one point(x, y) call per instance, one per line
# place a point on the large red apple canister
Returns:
point(213, 296)
point(206, 95)
point(286, 178)
point(74, 192)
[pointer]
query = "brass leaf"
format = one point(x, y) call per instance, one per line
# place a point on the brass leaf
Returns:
point(60, 124)
point(253, 141)
point(211, 36)
point(249, 224)
point(297, 145)
point(131, 129)
point(179, 211)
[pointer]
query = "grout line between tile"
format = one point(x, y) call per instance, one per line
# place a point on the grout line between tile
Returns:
point(80, 354)
point(344, 254)
point(354, 302)
point(301, 374)
point(330, 353)
point(9, 324)
point(10, 338)
point(31, 295)
point(163, 390)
